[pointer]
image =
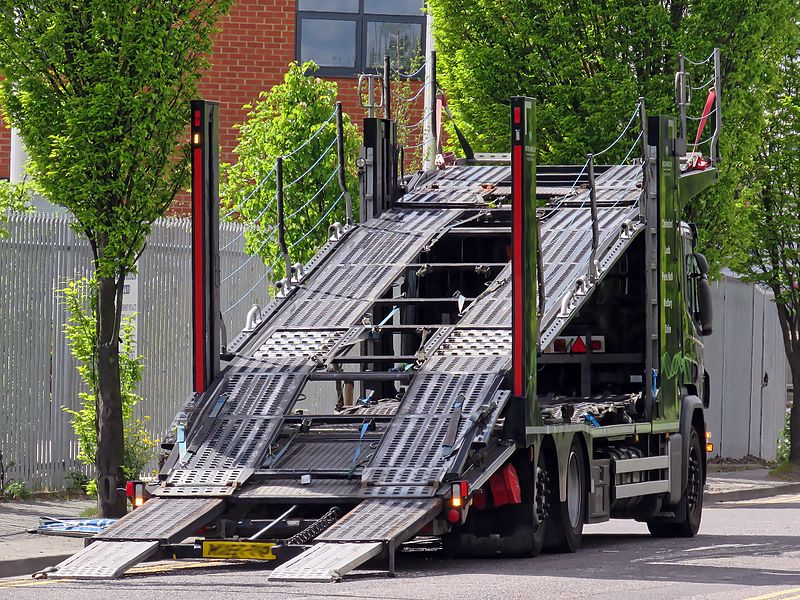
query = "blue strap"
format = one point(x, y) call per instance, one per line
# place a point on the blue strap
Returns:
point(357, 453)
point(654, 383)
point(590, 419)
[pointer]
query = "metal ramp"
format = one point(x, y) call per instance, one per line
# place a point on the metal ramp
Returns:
point(268, 374)
point(373, 528)
point(137, 536)
point(104, 560)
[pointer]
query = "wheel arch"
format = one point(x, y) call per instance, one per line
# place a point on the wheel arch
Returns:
point(692, 415)
point(563, 443)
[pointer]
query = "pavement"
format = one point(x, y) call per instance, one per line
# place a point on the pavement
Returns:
point(22, 553)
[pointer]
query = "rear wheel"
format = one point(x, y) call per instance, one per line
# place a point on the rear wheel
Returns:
point(689, 510)
point(564, 528)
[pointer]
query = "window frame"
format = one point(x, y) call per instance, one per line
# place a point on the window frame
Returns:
point(325, 16)
point(362, 21)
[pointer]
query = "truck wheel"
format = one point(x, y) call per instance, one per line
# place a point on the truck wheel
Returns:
point(564, 529)
point(689, 510)
point(541, 502)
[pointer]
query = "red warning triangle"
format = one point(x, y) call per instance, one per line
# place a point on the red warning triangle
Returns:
point(578, 346)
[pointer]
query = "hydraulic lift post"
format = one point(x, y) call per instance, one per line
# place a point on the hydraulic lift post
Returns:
point(206, 317)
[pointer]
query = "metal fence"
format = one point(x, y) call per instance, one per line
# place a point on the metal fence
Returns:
point(38, 375)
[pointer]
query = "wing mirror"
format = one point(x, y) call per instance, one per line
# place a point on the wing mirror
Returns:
point(704, 302)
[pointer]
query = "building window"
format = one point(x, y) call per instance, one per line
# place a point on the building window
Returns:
point(348, 37)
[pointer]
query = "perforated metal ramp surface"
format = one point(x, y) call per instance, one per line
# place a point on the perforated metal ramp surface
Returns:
point(411, 460)
point(326, 562)
point(363, 533)
point(104, 560)
point(566, 234)
point(164, 519)
point(262, 384)
point(383, 520)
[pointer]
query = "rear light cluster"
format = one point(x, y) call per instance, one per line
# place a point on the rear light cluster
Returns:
point(136, 493)
point(458, 501)
point(502, 488)
point(709, 445)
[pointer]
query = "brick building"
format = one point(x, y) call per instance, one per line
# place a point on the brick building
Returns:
point(259, 38)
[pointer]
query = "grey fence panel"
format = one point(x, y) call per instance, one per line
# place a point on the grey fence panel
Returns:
point(773, 393)
point(745, 416)
point(759, 303)
point(38, 375)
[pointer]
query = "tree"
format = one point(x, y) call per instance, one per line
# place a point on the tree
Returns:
point(771, 256)
point(78, 296)
point(99, 91)
point(587, 62)
point(292, 120)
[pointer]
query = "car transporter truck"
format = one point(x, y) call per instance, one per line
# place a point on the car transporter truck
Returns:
point(494, 355)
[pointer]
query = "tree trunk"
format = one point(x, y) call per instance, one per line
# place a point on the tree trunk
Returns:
point(788, 325)
point(110, 442)
point(794, 415)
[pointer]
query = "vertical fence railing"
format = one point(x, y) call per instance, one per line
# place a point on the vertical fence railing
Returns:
point(387, 87)
point(282, 224)
point(37, 372)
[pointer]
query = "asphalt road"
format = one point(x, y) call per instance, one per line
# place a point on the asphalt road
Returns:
point(745, 550)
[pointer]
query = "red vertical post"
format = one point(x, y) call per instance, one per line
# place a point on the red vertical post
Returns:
point(524, 233)
point(205, 243)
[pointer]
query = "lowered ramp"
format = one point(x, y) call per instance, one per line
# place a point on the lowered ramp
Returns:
point(373, 528)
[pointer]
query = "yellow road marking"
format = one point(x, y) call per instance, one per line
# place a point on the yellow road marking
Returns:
point(178, 566)
point(776, 594)
point(782, 499)
point(24, 582)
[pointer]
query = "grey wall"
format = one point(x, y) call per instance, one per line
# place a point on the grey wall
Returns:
point(745, 417)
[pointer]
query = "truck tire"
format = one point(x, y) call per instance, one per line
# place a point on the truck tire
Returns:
point(538, 503)
point(564, 528)
point(689, 510)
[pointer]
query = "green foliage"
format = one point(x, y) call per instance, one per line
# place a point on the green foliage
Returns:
point(14, 197)
point(770, 255)
point(77, 482)
point(782, 453)
point(587, 62)
point(99, 91)
point(280, 122)
point(16, 490)
point(80, 331)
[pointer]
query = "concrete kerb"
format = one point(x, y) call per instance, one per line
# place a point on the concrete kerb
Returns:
point(752, 493)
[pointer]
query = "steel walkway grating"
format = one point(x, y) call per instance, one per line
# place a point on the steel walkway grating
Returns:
point(104, 560)
point(164, 519)
point(362, 534)
point(477, 342)
point(326, 562)
point(382, 521)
